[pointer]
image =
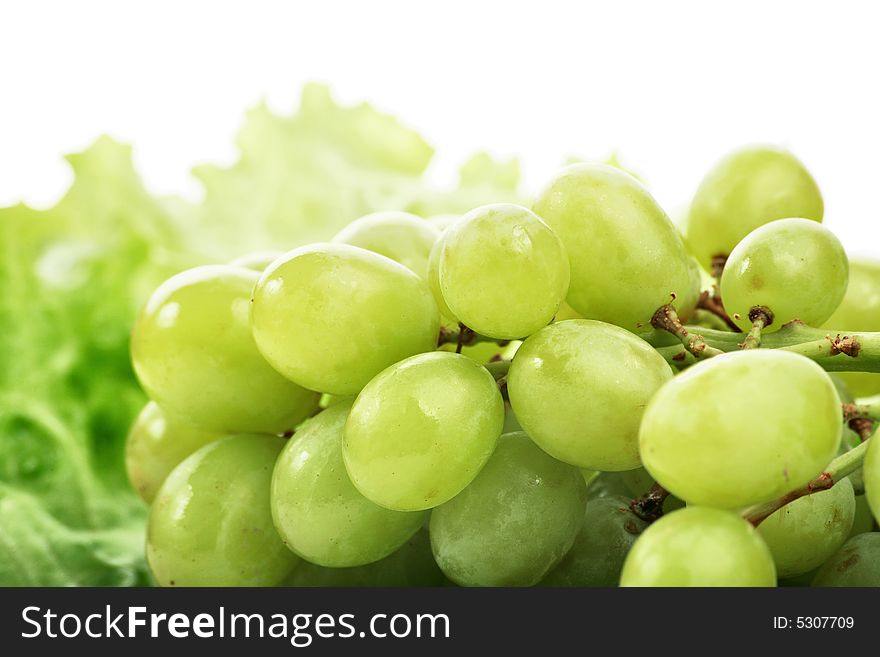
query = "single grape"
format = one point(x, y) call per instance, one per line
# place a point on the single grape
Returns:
point(412, 565)
point(747, 189)
point(871, 475)
point(795, 267)
point(257, 261)
point(579, 388)
point(211, 525)
point(699, 546)
point(194, 353)
point(860, 311)
point(863, 519)
point(403, 237)
point(332, 316)
point(857, 563)
point(626, 257)
point(421, 430)
point(503, 271)
point(600, 548)
point(807, 531)
point(317, 510)
point(741, 428)
point(514, 522)
point(155, 445)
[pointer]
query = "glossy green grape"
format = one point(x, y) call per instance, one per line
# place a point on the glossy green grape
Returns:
point(871, 475)
point(860, 311)
point(193, 352)
point(579, 388)
point(857, 563)
point(155, 445)
point(503, 272)
point(741, 428)
point(806, 532)
point(795, 267)
point(257, 261)
point(317, 510)
point(747, 189)
point(626, 256)
point(600, 548)
point(412, 565)
point(699, 546)
point(514, 522)
point(863, 519)
point(403, 237)
point(210, 524)
point(332, 316)
point(421, 430)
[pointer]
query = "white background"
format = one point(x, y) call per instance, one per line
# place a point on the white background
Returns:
point(670, 85)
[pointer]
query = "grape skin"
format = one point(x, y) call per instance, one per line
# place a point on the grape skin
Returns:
point(699, 546)
point(514, 522)
point(579, 388)
point(747, 189)
point(741, 428)
point(596, 558)
point(155, 445)
point(626, 257)
point(421, 430)
point(194, 354)
point(503, 272)
point(795, 267)
point(332, 316)
point(211, 524)
point(857, 563)
point(871, 475)
point(317, 510)
point(804, 533)
point(400, 236)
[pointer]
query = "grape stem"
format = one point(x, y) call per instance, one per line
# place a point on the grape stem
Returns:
point(666, 319)
point(649, 506)
point(862, 415)
point(711, 302)
point(760, 317)
point(839, 468)
point(462, 336)
point(835, 351)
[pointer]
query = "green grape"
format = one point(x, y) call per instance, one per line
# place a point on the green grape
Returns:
point(741, 428)
point(863, 519)
point(747, 189)
point(514, 522)
point(795, 267)
point(699, 546)
point(579, 388)
point(860, 311)
point(317, 510)
point(210, 524)
point(503, 272)
point(871, 475)
point(257, 261)
point(403, 237)
point(421, 430)
point(626, 256)
point(806, 532)
point(857, 563)
point(332, 316)
point(412, 565)
point(600, 548)
point(194, 353)
point(155, 445)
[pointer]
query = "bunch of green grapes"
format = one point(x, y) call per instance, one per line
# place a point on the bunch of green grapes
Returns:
point(509, 397)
